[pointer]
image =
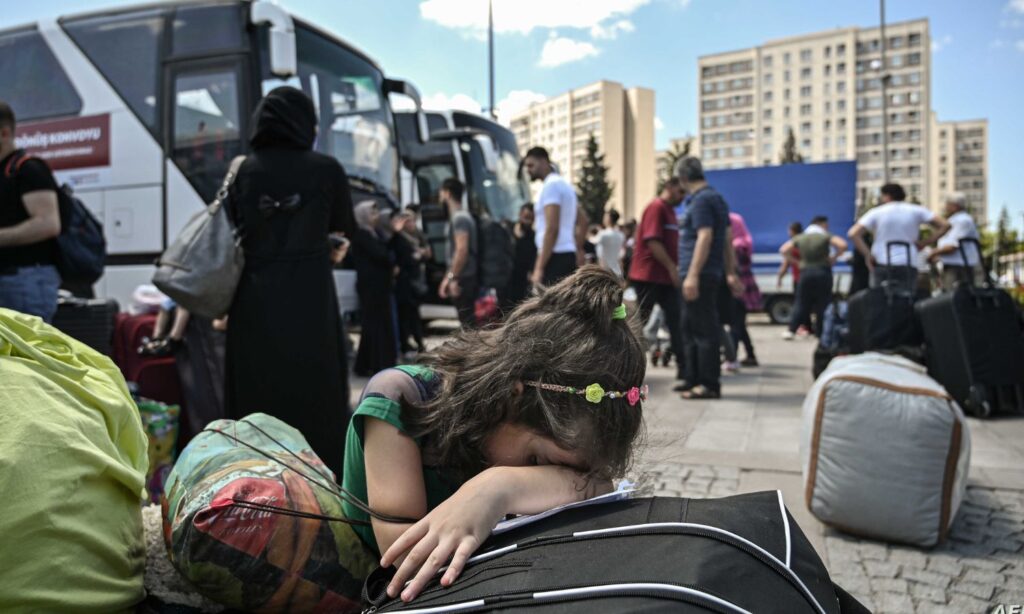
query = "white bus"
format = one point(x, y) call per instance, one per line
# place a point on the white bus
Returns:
point(141, 109)
point(477, 151)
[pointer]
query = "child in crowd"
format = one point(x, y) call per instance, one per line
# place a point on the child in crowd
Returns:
point(540, 411)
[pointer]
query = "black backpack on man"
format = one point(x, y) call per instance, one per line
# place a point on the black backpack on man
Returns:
point(81, 247)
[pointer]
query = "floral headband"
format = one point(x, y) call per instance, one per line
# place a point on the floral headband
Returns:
point(594, 393)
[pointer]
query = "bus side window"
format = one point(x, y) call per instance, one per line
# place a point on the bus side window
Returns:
point(206, 126)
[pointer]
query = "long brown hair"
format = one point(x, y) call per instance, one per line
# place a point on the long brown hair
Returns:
point(564, 336)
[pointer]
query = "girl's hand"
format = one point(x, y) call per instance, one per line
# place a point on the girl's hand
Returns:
point(453, 530)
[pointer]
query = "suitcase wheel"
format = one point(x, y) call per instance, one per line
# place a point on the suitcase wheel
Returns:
point(978, 404)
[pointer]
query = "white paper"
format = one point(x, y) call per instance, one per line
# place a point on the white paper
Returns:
point(624, 491)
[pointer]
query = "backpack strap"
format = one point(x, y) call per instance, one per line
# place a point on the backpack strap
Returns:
point(18, 159)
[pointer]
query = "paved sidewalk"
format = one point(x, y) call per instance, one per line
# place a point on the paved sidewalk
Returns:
point(749, 441)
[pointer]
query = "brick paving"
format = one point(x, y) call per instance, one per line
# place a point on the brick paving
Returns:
point(749, 441)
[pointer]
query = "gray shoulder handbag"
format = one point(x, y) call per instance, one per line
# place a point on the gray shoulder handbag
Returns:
point(201, 268)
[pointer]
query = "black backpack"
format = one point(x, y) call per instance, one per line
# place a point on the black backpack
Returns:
point(742, 553)
point(81, 247)
point(496, 252)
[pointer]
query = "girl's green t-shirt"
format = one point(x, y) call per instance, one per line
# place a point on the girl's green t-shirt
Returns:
point(381, 399)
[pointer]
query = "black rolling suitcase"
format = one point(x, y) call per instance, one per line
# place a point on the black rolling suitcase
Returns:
point(975, 346)
point(883, 318)
point(736, 554)
point(90, 321)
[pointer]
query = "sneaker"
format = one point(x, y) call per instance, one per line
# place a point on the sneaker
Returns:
point(788, 335)
point(730, 367)
point(803, 332)
point(750, 361)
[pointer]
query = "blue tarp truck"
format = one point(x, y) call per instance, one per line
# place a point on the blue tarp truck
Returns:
point(771, 197)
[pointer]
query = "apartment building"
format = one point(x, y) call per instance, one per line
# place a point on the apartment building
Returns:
point(622, 122)
point(826, 88)
point(959, 163)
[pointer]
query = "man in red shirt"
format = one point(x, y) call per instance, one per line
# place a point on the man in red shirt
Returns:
point(654, 270)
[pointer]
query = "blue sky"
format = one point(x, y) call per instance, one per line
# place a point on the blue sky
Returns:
point(544, 47)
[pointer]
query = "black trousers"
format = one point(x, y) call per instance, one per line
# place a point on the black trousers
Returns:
point(410, 325)
point(812, 297)
point(702, 336)
point(559, 266)
point(465, 302)
point(738, 327)
point(670, 299)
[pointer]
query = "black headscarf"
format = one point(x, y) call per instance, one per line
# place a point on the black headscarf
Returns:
point(285, 118)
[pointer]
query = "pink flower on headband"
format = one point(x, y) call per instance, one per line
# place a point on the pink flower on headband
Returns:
point(633, 396)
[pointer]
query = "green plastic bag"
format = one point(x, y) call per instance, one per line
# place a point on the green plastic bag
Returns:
point(73, 464)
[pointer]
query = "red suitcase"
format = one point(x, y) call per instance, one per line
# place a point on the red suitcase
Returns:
point(156, 377)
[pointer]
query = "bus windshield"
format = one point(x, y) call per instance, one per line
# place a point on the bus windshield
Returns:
point(504, 190)
point(355, 121)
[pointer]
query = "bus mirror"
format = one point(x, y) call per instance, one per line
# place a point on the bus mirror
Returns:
point(398, 86)
point(283, 61)
point(490, 153)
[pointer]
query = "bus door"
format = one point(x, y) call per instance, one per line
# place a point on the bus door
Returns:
point(207, 118)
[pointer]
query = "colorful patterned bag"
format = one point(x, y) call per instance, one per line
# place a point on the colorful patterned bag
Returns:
point(161, 424)
point(253, 518)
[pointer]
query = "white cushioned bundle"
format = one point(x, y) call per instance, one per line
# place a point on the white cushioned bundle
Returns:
point(885, 450)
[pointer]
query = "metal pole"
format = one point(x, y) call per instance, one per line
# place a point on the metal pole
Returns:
point(885, 101)
point(490, 55)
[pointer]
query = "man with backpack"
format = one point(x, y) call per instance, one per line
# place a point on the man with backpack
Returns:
point(29, 225)
point(460, 283)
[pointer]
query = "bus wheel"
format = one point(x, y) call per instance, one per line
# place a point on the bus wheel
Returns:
point(779, 309)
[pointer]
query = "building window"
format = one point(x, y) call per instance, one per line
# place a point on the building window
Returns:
point(913, 59)
point(805, 55)
point(806, 144)
point(828, 70)
point(785, 76)
point(841, 68)
point(828, 124)
point(767, 96)
point(767, 78)
point(766, 61)
point(826, 142)
point(805, 127)
point(914, 39)
point(785, 112)
point(840, 87)
point(805, 91)
point(805, 109)
point(785, 94)
point(767, 131)
point(842, 123)
point(841, 143)
point(840, 50)
point(785, 58)
point(828, 51)
point(827, 90)
point(841, 106)
point(805, 73)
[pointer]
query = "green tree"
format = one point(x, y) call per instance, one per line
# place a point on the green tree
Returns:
point(667, 163)
point(790, 154)
point(592, 186)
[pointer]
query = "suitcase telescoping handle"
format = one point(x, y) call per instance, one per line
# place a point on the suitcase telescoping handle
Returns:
point(981, 260)
point(911, 268)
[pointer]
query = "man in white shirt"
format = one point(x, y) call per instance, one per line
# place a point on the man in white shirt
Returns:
point(561, 226)
point(609, 243)
point(895, 221)
point(954, 269)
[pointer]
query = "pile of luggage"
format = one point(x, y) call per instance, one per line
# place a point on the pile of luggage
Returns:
point(970, 339)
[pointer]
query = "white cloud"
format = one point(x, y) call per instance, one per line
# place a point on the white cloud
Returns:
point(939, 43)
point(658, 124)
point(1016, 6)
point(612, 31)
point(1011, 23)
point(560, 50)
point(516, 101)
point(523, 16)
point(997, 44)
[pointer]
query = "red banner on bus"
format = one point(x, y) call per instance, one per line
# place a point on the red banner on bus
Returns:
point(79, 142)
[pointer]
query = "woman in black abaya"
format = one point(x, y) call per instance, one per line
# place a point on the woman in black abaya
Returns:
point(284, 352)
